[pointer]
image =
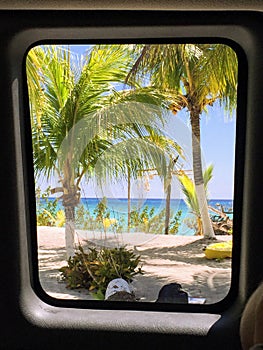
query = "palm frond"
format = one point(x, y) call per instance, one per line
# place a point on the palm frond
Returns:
point(217, 76)
point(84, 117)
point(208, 174)
point(137, 154)
point(205, 72)
point(188, 189)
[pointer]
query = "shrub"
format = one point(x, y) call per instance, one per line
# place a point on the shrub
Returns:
point(47, 208)
point(175, 223)
point(95, 268)
point(84, 219)
point(140, 219)
point(147, 221)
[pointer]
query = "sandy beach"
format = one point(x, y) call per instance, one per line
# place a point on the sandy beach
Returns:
point(165, 259)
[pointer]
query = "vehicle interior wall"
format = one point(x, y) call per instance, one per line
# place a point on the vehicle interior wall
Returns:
point(32, 321)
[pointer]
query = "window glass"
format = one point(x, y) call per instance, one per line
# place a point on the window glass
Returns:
point(133, 149)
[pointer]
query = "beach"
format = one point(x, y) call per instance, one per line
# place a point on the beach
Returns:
point(165, 259)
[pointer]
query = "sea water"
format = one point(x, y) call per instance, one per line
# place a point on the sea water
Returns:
point(118, 208)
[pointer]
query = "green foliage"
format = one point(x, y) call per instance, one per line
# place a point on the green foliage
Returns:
point(146, 221)
point(75, 107)
point(118, 225)
point(188, 188)
point(175, 223)
point(156, 224)
point(100, 220)
point(101, 211)
point(83, 219)
point(140, 219)
point(46, 209)
point(102, 214)
point(95, 268)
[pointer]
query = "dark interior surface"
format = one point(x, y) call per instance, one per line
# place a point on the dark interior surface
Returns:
point(31, 319)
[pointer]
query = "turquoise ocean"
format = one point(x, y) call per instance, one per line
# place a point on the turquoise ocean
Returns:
point(118, 208)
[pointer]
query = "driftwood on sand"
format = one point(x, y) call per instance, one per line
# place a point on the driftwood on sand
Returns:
point(222, 223)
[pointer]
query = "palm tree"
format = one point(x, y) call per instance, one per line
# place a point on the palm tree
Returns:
point(77, 116)
point(168, 188)
point(190, 194)
point(136, 155)
point(196, 75)
point(172, 151)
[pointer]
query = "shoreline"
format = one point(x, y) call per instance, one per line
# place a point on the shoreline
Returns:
point(117, 208)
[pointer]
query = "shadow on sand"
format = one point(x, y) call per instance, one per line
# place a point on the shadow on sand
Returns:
point(184, 264)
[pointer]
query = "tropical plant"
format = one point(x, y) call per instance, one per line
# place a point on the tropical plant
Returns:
point(191, 200)
point(83, 218)
point(101, 212)
point(102, 216)
point(95, 222)
point(94, 269)
point(196, 75)
point(146, 220)
point(140, 218)
point(175, 223)
point(46, 209)
point(81, 123)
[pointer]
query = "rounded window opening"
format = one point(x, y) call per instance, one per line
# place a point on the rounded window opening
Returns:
point(134, 148)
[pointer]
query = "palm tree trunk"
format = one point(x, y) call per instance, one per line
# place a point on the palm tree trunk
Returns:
point(167, 188)
point(129, 200)
point(167, 209)
point(70, 199)
point(198, 175)
point(70, 230)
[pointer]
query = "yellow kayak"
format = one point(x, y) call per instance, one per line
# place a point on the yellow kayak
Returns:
point(219, 250)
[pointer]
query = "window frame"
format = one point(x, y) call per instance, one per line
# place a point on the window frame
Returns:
point(132, 34)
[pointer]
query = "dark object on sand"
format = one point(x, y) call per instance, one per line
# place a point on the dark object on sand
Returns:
point(121, 296)
point(172, 293)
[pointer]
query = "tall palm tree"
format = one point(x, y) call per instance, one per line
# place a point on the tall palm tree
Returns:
point(196, 75)
point(77, 116)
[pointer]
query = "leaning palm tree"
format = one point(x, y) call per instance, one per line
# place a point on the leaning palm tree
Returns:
point(196, 75)
point(77, 115)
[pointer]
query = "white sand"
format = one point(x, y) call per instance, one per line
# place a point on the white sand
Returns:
point(165, 259)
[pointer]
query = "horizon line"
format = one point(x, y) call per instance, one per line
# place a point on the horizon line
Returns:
point(154, 198)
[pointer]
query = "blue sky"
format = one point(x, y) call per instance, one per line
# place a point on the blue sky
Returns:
point(217, 143)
